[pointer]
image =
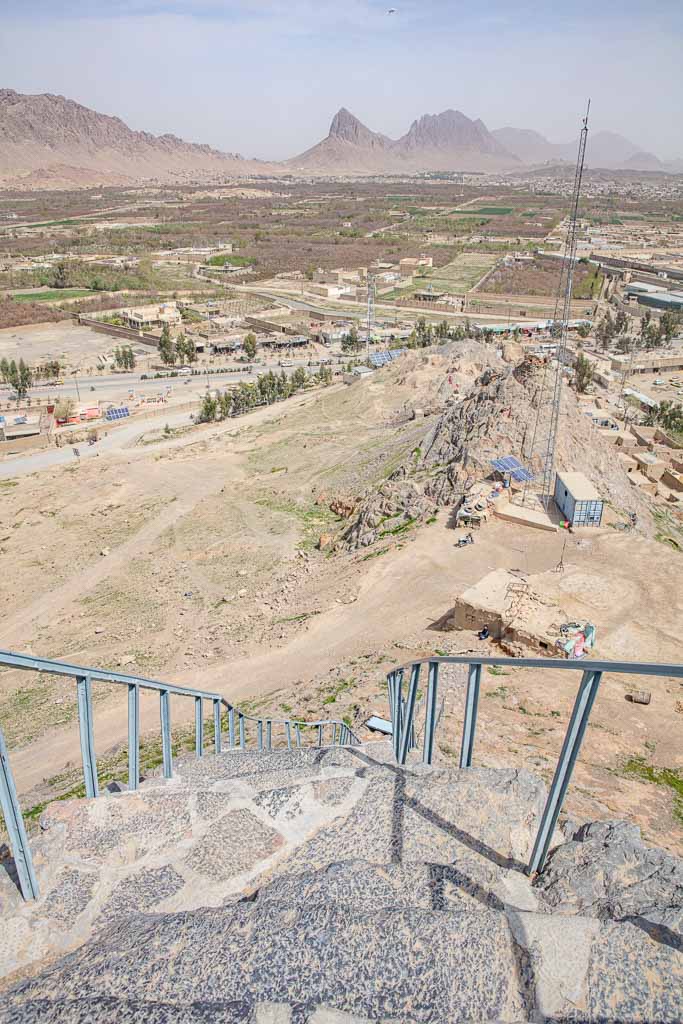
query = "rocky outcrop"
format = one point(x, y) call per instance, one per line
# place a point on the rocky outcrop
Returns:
point(634, 882)
point(496, 417)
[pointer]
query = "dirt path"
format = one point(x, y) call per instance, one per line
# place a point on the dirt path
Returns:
point(399, 595)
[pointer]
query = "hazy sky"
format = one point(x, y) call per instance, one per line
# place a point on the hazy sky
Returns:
point(264, 77)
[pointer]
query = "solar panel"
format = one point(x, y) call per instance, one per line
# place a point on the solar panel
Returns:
point(117, 414)
point(509, 464)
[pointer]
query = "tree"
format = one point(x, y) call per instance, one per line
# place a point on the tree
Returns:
point(167, 349)
point(65, 408)
point(621, 322)
point(60, 278)
point(128, 358)
point(4, 370)
point(583, 330)
point(190, 350)
point(583, 373)
point(250, 345)
point(351, 342)
point(669, 324)
point(668, 415)
point(299, 378)
point(20, 377)
point(208, 410)
point(606, 330)
point(118, 361)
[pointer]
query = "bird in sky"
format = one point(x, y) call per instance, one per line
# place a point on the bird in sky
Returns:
point(392, 10)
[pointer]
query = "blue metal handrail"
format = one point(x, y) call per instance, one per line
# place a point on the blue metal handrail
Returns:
point(402, 718)
point(332, 732)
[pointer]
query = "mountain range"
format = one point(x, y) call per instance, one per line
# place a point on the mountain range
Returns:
point(50, 142)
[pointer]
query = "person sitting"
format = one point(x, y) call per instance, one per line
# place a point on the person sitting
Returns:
point(484, 633)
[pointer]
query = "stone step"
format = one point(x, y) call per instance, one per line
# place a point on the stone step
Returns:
point(471, 884)
point(124, 1011)
point(166, 847)
point(432, 816)
point(424, 966)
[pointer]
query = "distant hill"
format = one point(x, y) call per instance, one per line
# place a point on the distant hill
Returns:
point(53, 141)
point(604, 150)
point(49, 141)
point(434, 142)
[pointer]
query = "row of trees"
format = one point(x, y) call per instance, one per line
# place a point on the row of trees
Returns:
point(422, 336)
point(124, 358)
point(17, 375)
point(270, 387)
point(182, 350)
point(669, 416)
point(651, 334)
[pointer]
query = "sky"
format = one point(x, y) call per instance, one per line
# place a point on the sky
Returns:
point(264, 77)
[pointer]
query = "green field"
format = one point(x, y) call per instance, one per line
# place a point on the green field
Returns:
point(232, 261)
point(492, 211)
point(53, 295)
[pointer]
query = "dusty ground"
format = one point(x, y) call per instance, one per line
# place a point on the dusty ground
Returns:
point(194, 559)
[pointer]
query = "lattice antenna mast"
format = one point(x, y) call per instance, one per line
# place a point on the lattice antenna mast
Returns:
point(560, 326)
point(371, 312)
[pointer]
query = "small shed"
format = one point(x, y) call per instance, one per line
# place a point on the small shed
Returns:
point(578, 500)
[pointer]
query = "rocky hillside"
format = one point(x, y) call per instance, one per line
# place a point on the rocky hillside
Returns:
point(51, 139)
point(495, 417)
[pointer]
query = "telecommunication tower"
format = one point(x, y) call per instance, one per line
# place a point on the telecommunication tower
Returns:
point(550, 396)
point(371, 312)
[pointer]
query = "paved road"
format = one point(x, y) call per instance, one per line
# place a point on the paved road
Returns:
point(108, 387)
point(117, 438)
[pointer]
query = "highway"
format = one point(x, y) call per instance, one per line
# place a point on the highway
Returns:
point(112, 387)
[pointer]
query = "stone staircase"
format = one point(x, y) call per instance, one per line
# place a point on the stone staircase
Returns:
point(328, 886)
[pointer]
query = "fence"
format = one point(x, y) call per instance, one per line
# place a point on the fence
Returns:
point(403, 713)
point(240, 730)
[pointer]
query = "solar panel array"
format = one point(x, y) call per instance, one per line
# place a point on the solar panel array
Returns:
point(378, 359)
point(117, 414)
point(509, 464)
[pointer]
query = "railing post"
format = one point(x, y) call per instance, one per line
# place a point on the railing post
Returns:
point(320, 734)
point(585, 698)
point(231, 727)
point(243, 740)
point(14, 822)
point(397, 707)
point(407, 717)
point(269, 735)
point(84, 691)
point(297, 735)
point(217, 738)
point(259, 734)
point(391, 686)
point(133, 736)
point(166, 750)
point(288, 733)
point(198, 727)
point(431, 712)
point(470, 723)
point(334, 734)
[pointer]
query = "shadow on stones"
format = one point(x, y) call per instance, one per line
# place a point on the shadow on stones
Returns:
point(660, 933)
point(8, 866)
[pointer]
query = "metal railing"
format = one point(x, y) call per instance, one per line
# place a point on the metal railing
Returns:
point(240, 728)
point(403, 711)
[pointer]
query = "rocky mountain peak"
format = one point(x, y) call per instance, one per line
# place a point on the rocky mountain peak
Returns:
point(347, 128)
